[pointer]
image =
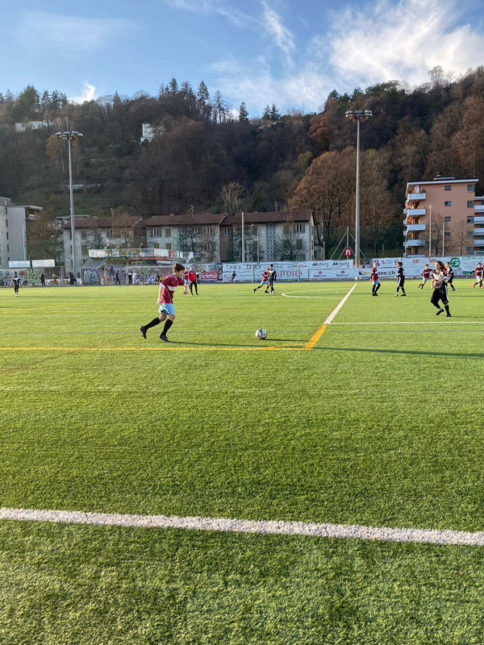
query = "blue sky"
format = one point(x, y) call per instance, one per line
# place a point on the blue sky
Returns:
point(291, 53)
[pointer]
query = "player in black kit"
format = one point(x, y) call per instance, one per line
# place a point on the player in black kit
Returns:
point(449, 272)
point(400, 279)
point(15, 283)
point(439, 284)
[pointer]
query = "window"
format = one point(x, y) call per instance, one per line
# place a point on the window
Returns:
point(286, 228)
point(447, 218)
point(209, 230)
point(447, 233)
point(167, 232)
point(447, 187)
point(155, 232)
point(470, 188)
point(226, 231)
point(469, 250)
point(299, 245)
point(470, 203)
point(470, 233)
point(470, 219)
point(168, 246)
point(300, 228)
point(447, 203)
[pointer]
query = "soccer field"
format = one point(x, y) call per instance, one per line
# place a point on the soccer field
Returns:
point(365, 411)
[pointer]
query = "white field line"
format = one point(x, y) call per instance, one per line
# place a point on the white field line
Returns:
point(417, 322)
point(335, 312)
point(348, 531)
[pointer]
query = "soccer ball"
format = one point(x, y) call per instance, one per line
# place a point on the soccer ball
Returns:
point(261, 334)
point(357, 277)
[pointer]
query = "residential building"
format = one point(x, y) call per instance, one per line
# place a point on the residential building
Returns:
point(211, 238)
point(13, 231)
point(98, 233)
point(440, 217)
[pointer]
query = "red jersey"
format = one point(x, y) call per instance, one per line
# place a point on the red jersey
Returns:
point(479, 272)
point(374, 274)
point(426, 273)
point(192, 276)
point(169, 285)
point(265, 276)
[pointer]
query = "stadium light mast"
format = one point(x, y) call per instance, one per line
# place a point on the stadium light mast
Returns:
point(358, 116)
point(71, 136)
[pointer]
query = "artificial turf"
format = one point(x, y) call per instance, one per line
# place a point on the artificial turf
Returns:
point(379, 424)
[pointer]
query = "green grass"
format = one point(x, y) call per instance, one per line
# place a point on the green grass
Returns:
point(379, 424)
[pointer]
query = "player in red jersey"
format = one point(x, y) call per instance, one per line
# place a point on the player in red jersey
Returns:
point(375, 282)
point(264, 281)
point(192, 280)
point(479, 273)
point(165, 300)
point(425, 276)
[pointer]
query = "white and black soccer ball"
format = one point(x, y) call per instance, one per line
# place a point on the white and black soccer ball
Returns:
point(261, 334)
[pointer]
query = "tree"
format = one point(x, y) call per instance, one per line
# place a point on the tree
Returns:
point(230, 198)
point(243, 114)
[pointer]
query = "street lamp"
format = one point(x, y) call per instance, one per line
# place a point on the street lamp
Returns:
point(71, 136)
point(358, 116)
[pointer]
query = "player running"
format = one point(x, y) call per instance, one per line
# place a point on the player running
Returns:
point(264, 281)
point(426, 271)
point(449, 272)
point(165, 300)
point(374, 279)
point(479, 273)
point(439, 285)
point(272, 278)
point(400, 278)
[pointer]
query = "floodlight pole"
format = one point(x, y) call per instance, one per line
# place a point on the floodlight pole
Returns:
point(358, 116)
point(69, 137)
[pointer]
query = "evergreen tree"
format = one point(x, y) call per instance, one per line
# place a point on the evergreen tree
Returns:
point(243, 114)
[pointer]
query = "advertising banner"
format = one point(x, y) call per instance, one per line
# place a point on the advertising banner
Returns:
point(40, 264)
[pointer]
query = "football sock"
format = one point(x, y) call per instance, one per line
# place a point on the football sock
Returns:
point(153, 323)
point(168, 324)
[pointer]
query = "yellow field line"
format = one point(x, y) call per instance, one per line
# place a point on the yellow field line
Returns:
point(312, 341)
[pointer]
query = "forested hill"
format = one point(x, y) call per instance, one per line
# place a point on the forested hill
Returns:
point(206, 158)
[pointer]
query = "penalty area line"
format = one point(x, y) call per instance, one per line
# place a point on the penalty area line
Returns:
point(314, 339)
point(274, 527)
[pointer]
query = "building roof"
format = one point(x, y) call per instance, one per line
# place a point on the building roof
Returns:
point(273, 217)
point(103, 222)
point(188, 219)
point(442, 180)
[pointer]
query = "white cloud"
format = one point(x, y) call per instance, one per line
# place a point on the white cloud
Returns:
point(273, 24)
point(384, 41)
point(362, 46)
point(71, 34)
point(88, 94)
point(235, 16)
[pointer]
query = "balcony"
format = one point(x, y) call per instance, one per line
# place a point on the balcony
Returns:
point(478, 231)
point(479, 208)
point(414, 243)
point(415, 212)
point(479, 219)
point(414, 228)
point(415, 197)
point(479, 243)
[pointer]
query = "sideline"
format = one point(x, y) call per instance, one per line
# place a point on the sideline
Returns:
point(312, 342)
point(348, 531)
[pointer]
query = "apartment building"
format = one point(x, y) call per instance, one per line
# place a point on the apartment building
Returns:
point(443, 216)
point(211, 238)
point(13, 231)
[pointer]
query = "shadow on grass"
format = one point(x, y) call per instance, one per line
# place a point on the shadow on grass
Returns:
point(400, 352)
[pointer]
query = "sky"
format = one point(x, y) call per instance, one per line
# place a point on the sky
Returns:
point(288, 52)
